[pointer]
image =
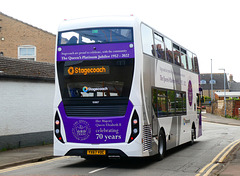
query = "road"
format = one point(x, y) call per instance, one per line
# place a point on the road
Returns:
point(181, 161)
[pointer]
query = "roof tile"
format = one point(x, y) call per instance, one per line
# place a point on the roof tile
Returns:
point(15, 68)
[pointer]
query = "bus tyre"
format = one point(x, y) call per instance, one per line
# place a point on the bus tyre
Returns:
point(192, 136)
point(161, 146)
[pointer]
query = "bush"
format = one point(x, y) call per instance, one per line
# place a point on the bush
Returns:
point(230, 117)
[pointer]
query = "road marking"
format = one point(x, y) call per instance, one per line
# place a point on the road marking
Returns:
point(32, 164)
point(225, 155)
point(214, 159)
point(97, 170)
point(210, 170)
point(229, 147)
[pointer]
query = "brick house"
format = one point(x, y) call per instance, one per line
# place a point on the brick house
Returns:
point(24, 41)
point(218, 83)
point(232, 91)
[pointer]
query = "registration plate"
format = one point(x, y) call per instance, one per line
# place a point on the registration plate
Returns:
point(96, 152)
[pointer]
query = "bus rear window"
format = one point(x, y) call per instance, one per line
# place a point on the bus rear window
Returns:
point(95, 35)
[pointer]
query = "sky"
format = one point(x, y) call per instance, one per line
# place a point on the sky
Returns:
point(209, 28)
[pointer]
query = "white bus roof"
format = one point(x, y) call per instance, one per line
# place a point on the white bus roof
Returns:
point(103, 21)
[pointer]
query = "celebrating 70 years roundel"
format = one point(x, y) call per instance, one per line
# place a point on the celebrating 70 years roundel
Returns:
point(81, 130)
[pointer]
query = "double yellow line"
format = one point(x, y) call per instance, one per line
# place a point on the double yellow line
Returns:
point(218, 159)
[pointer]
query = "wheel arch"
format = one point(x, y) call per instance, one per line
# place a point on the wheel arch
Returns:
point(193, 129)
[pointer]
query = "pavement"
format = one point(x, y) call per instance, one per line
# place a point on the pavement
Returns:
point(207, 117)
point(20, 156)
point(25, 155)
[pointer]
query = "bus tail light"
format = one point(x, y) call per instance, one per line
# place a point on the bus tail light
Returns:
point(134, 126)
point(57, 128)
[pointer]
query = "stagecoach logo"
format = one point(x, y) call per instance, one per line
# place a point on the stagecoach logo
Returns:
point(81, 130)
point(88, 89)
point(70, 70)
point(85, 89)
point(186, 121)
point(190, 93)
point(92, 70)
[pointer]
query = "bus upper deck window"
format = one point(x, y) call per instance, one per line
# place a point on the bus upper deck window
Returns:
point(147, 40)
point(159, 46)
point(169, 54)
point(195, 60)
point(189, 61)
point(96, 35)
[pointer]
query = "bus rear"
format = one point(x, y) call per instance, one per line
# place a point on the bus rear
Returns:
point(94, 75)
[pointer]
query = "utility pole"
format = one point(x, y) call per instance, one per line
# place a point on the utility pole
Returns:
point(211, 82)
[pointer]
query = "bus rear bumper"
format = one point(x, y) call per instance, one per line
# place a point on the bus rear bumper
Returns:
point(110, 153)
point(133, 149)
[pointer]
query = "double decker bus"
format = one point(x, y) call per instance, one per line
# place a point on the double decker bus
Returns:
point(122, 89)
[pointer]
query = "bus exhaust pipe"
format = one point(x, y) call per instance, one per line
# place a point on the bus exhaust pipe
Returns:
point(116, 157)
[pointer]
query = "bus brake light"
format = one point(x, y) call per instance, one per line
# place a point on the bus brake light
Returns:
point(134, 126)
point(57, 128)
point(57, 122)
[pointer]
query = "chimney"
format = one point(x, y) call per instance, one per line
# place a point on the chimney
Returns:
point(230, 78)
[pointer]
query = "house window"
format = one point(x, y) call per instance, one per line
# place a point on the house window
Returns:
point(203, 82)
point(212, 81)
point(27, 52)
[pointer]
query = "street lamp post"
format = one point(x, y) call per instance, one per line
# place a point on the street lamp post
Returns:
point(211, 88)
point(224, 91)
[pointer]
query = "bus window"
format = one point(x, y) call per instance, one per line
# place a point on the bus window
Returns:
point(147, 40)
point(176, 52)
point(96, 35)
point(162, 103)
point(171, 101)
point(189, 61)
point(195, 60)
point(154, 100)
point(69, 38)
point(184, 103)
point(199, 106)
point(113, 79)
point(180, 103)
point(184, 58)
point(169, 55)
point(159, 45)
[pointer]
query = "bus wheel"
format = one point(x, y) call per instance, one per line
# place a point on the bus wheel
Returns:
point(161, 146)
point(193, 135)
